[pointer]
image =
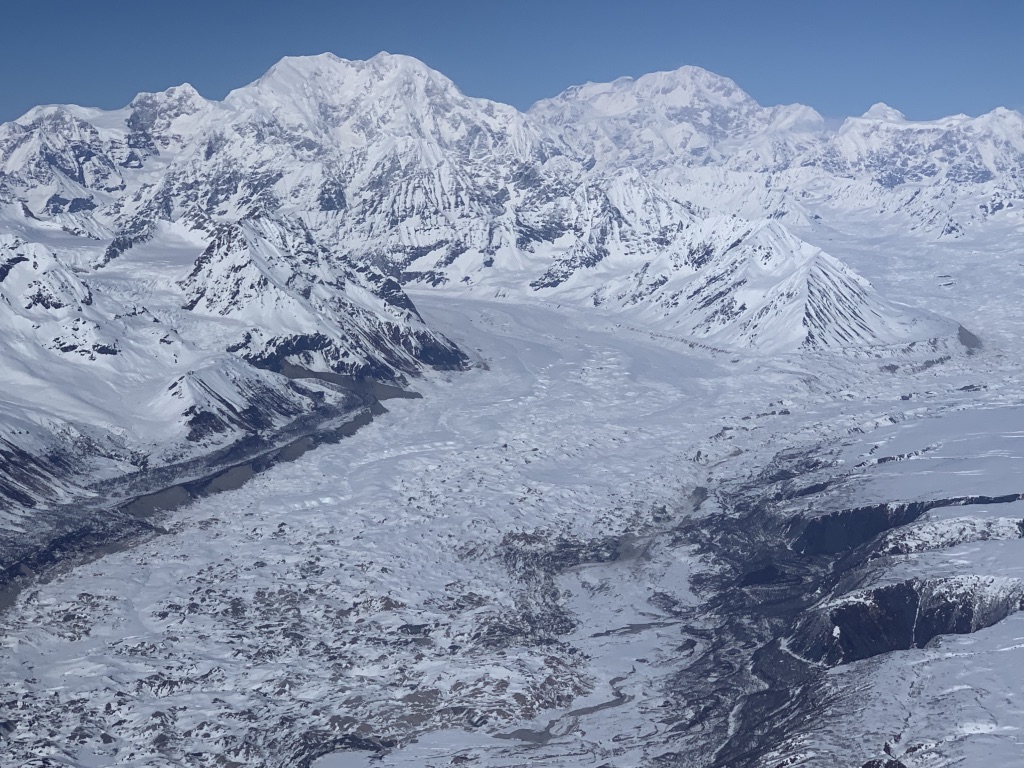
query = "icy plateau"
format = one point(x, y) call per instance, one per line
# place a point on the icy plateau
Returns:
point(353, 421)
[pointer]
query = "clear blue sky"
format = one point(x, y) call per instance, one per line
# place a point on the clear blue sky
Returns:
point(926, 58)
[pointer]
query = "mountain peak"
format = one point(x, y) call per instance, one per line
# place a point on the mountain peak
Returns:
point(183, 91)
point(684, 88)
point(306, 82)
point(882, 111)
point(694, 77)
point(181, 99)
point(327, 64)
point(397, 60)
point(688, 75)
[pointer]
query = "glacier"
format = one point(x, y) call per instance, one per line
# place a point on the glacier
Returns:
point(702, 446)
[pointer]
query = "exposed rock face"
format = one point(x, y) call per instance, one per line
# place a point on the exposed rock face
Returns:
point(905, 615)
point(842, 530)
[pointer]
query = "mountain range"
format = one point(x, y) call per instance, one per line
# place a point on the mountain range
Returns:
point(191, 290)
point(181, 251)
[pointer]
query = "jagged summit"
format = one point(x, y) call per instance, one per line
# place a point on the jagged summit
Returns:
point(184, 94)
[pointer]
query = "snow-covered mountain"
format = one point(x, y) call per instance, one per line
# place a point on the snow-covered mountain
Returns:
point(697, 129)
point(386, 162)
point(612, 511)
point(688, 117)
point(95, 389)
point(77, 360)
point(274, 228)
point(759, 287)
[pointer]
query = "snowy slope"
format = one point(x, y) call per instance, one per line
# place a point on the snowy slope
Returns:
point(296, 304)
point(78, 361)
point(758, 286)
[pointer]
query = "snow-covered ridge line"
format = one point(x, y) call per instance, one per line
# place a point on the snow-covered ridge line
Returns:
point(608, 194)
